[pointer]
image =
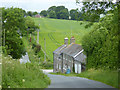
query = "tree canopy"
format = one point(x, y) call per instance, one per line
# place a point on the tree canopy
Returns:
point(52, 8)
point(101, 44)
point(30, 24)
point(35, 13)
point(29, 13)
point(91, 10)
point(13, 21)
point(14, 26)
point(73, 13)
point(52, 14)
point(43, 13)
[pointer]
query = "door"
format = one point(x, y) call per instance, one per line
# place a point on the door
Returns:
point(75, 68)
point(79, 68)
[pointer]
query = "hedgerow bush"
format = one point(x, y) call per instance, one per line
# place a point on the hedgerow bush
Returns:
point(101, 44)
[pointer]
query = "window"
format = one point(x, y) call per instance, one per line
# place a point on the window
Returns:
point(68, 67)
point(63, 56)
point(59, 58)
point(66, 57)
point(64, 67)
point(57, 65)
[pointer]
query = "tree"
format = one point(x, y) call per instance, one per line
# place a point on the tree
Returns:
point(80, 16)
point(35, 13)
point(58, 8)
point(52, 8)
point(30, 24)
point(101, 44)
point(73, 13)
point(29, 13)
point(14, 45)
point(92, 10)
point(43, 13)
point(62, 12)
point(52, 14)
point(25, 13)
point(13, 21)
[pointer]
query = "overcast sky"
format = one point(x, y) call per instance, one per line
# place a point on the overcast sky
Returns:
point(38, 5)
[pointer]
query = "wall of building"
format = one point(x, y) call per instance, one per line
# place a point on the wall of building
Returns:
point(57, 63)
point(67, 63)
point(64, 62)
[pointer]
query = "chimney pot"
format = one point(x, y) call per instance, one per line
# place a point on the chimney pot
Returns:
point(66, 41)
point(72, 40)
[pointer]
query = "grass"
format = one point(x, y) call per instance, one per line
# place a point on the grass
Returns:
point(16, 75)
point(109, 77)
point(36, 58)
point(28, 46)
point(55, 30)
point(29, 75)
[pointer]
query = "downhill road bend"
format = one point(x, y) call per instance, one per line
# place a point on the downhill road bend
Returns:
point(60, 81)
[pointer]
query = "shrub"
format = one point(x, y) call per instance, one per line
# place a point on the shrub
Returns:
point(37, 48)
point(47, 65)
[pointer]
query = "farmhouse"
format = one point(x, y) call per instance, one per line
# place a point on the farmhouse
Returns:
point(69, 57)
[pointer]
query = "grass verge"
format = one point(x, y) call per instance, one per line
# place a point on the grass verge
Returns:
point(16, 75)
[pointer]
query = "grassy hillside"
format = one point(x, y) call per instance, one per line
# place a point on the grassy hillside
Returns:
point(55, 30)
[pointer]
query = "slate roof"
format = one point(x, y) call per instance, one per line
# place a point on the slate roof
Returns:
point(72, 49)
point(59, 49)
point(81, 58)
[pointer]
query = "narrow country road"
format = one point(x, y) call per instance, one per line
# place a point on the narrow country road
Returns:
point(60, 81)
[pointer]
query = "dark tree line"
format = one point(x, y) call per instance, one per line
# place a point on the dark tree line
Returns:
point(60, 12)
point(57, 12)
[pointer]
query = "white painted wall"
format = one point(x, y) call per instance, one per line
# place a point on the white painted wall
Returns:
point(79, 68)
point(75, 68)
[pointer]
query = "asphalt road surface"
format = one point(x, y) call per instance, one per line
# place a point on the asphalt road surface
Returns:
point(60, 81)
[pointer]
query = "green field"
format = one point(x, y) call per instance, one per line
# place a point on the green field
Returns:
point(55, 30)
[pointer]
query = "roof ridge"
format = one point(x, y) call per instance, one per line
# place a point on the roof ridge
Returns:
point(70, 45)
point(62, 48)
point(78, 53)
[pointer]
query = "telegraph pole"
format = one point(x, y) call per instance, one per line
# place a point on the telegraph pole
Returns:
point(38, 35)
point(4, 37)
point(4, 32)
point(45, 50)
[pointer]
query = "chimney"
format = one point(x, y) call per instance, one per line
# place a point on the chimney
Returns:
point(66, 41)
point(72, 40)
